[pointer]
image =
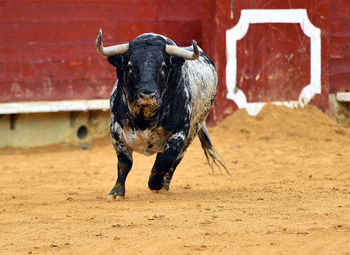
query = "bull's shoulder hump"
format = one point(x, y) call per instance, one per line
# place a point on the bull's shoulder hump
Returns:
point(202, 67)
point(207, 59)
point(154, 36)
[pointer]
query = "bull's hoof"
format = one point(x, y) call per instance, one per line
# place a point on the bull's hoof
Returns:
point(166, 186)
point(156, 182)
point(113, 197)
point(110, 198)
point(164, 191)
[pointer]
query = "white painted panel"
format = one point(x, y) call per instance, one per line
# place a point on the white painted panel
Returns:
point(272, 16)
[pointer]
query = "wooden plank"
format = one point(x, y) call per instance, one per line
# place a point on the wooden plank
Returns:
point(49, 52)
point(339, 42)
point(339, 47)
point(73, 32)
point(339, 9)
point(66, 34)
point(339, 66)
point(55, 71)
point(339, 82)
point(77, 11)
point(339, 28)
point(44, 89)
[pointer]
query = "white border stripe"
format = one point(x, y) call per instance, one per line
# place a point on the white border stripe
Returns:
point(343, 96)
point(54, 106)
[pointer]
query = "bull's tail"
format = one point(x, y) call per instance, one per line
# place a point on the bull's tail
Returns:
point(209, 150)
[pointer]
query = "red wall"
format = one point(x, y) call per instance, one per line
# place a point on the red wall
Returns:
point(50, 52)
point(50, 45)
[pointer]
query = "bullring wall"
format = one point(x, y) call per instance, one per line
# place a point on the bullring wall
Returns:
point(47, 49)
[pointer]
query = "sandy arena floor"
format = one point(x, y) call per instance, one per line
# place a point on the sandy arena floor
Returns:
point(289, 194)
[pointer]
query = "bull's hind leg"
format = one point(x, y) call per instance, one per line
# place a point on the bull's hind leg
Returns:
point(169, 175)
point(166, 162)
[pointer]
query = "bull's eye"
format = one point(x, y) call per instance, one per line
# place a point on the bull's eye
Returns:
point(162, 69)
point(129, 68)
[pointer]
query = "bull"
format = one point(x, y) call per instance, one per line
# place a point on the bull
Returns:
point(159, 104)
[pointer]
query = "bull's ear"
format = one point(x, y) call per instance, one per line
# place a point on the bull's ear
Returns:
point(177, 61)
point(116, 60)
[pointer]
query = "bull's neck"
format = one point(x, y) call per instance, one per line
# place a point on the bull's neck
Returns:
point(142, 122)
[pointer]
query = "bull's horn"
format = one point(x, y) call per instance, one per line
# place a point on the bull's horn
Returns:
point(180, 52)
point(111, 50)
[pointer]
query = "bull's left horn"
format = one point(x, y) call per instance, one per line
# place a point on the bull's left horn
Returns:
point(180, 52)
point(111, 50)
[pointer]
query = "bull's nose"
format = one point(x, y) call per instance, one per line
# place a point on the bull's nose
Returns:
point(146, 96)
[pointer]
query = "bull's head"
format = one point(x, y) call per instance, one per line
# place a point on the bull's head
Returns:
point(148, 69)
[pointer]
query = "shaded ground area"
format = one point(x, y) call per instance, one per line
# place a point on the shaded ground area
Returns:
point(290, 193)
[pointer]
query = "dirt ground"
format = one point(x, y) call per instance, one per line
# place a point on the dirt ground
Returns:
point(289, 194)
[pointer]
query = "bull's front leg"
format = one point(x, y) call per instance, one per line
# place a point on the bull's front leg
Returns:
point(166, 162)
point(124, 166)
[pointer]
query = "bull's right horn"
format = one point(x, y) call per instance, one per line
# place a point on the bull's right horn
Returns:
point(111, 50)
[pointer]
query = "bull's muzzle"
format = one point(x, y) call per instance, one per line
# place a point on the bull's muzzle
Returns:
point(147, 98)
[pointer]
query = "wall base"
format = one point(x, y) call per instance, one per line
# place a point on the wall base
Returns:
point(339, 109)
point(39, 129)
